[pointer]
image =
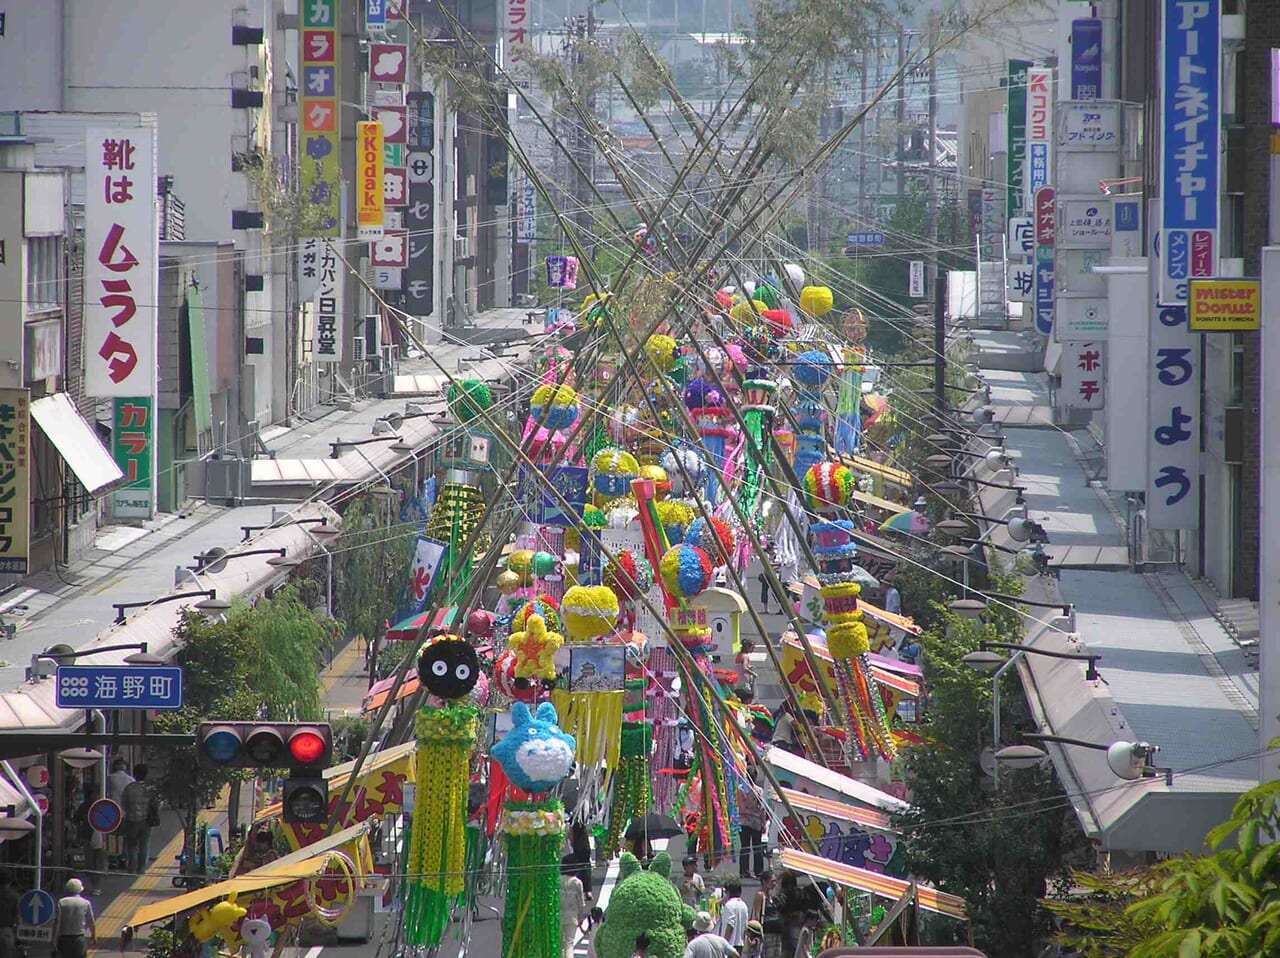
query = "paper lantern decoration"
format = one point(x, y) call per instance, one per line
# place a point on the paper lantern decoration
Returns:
point(628, 575)
point(542, 605)
point(685, 570)
point(554, 407)
point(469, 398)
point(535, 648)
point(713, 537)
point(536, 755)
point(544, 564)
point(480, 623)
point(816, 301)
point(812, 368)
point(589, 611)
point(828, 486)
point(508, 582)
point(612, 470)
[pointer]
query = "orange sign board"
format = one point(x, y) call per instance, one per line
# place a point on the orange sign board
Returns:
point(370, 214)
point(1224, 305)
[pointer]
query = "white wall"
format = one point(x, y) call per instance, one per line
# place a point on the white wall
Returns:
point(31, 55)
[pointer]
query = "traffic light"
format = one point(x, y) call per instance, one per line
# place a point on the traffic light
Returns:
point(305, 746)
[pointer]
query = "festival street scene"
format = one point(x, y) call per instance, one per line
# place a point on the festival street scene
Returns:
point(633, 479)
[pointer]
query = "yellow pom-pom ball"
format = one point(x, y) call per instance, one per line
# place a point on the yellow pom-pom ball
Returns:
point(658, 475)
point(661, 349)
point(521, 563)
point(747, 312)
point(816, 300)
point(848, 640)
point(589, 611)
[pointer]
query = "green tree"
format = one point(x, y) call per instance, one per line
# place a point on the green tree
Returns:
point(1223, 904)
point(371, 560)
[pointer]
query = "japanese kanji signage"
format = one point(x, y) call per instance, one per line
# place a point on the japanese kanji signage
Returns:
point(1191, 134)
point(318, 97)
point(369, 186)
point(120, 272)
point(526, 204)
point(1017, 134)
point(1086, 59)
point(1039, 128)
point(1080, 318)
point(1084, 222)
point(1225, 305)
point(15, 481)
point(1045, 227)
point(1173, 416)
point(1088, 125)
point(132, 446)
point(419, 217)
point(915, 281)
point(1084, 375)
point(151, 687)
point(517, 32)
point(326, 343)
point(1021, 281)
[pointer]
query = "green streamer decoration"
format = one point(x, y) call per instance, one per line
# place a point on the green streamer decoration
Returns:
point(533, 832)
point(630, 783)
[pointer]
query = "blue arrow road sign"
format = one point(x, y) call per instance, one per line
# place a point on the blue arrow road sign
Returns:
point(36, 907)
point(119, 687)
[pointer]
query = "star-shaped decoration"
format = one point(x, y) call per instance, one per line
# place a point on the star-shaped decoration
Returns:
point(534, 649)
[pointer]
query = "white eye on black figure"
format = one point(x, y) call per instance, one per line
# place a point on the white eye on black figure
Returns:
point(440, 667)
point(448, 668)
point(462, 672)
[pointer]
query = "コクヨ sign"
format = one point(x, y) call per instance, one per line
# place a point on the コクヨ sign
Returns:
point(119, 687)
point(1224, 305)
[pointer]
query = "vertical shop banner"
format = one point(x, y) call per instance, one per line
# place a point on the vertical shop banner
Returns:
point(1084, 376)
point(915, 278)
point(517, 31)
point(1046, 227)
point(326, 346)
point(121, 281)
point(419, 219)
point(309, 250)
point(1016, 121)
point(370, 210)
point(132, 445)
point(1173, 415)
point(1191, 125)
point(318, 111)
point(1039, 130)
point(1086, 59)
point(15, 481)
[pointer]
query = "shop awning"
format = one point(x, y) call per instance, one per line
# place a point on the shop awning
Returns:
point(376, 699)
point(903, 622)
point(895, 476)
point(304, 863)
point(867, 499)
point(406, 630)
point(929, 898)
point(838, 810)
point(76, 442)
point(824, 777)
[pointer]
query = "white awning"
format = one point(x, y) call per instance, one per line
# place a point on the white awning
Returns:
point(76, 442)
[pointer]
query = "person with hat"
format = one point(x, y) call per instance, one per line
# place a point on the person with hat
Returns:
point(73, 929)
point(753, 946)
point(705, 942)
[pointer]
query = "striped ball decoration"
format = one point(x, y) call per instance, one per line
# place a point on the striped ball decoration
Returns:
point(828, 487)
point(554, 407)
point(685, 571)
point(542, 605)
point(628, 575)
point(812, 368)
point(713, 537)
point(816, 301)
point(612, 470)
point(468, 399)
point(685, 457)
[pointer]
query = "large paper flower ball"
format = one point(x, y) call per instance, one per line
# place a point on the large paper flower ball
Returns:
point(828, 486)
point(540, 605)
point(521, 563)
point(685, 570)
point(623, 423)
point(545, 564)
point(747, 313)
point(554, 407)
point(589, 611)
point(675, 516)
point(702, 393)
point(766, 292)
point(812, 368)
point(508, 582)
point(688, 459)
point(816, 300)
point(778, 321)
point(468, 398)
point(848, 640)
point(612, 470)
point(661, 350)
point(628, 575)
point(713, 537)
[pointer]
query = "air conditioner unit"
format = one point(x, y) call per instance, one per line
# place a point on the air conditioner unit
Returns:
point(357, 349)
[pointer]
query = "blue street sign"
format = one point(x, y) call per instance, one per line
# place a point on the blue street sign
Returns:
point(36, 908)
point(865, 239)
point(375, 14)
point(1086, 59)
point(105, 815)
point(119, 687)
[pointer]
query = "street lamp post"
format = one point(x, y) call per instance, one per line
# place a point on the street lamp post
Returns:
point(210, 603)
point(986, 660)
point(1129, 760)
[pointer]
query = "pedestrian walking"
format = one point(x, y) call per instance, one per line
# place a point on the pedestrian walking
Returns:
point(9, 899)
point(734, 914)
point(141, 814)
point(764, 910)
point(753, 947)
point(573, 908)
point(892, 600)
point(764, 592)
point(751, 823)
point(692, 887)
point(74, 931)
point(705, 943)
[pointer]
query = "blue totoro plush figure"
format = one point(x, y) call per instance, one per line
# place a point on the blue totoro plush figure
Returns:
point(535, 754)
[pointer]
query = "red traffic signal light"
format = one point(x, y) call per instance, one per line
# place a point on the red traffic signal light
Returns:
point(292, 745)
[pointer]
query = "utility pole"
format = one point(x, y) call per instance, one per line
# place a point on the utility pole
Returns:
point(940, 346)
point(583, 30)
point(862, 146)
point(901, 115)
point(931, 158)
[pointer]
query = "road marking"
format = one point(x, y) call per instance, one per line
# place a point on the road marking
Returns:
point(314, 951)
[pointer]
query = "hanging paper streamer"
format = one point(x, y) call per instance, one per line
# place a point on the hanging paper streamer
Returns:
point(757, 417)
point(630, 784)
point(437, 854)
point(533, 833)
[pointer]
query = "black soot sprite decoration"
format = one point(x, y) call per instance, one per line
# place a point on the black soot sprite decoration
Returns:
point(448, 668)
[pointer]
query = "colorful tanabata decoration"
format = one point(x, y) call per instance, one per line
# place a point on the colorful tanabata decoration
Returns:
point(448, 667)
point(589, 612)
point(534, 648)
point(536, 755)
point(643, 901)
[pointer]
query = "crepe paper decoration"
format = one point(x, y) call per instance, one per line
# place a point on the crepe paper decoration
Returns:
point(533, 835)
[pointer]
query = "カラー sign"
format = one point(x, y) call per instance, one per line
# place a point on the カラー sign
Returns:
point(131, 445)
point(15, 481)
point(318, 110)
point(369, 193)
point(1224, 305)
point(1191, 123)
point(120, 272)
